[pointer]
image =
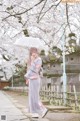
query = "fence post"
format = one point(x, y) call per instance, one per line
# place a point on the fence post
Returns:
point(76, 99)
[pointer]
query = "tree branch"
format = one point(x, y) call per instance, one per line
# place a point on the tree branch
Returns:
point(68, 17)
point(17, 14)
point(50, 9)
point(41, 10)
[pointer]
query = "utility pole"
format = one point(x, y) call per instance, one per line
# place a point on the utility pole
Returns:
point(64, 64)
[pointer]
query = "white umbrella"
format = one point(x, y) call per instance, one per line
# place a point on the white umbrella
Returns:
point(30, 42)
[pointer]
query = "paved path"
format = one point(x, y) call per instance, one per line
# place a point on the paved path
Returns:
point(8, 111)
point(12, 109)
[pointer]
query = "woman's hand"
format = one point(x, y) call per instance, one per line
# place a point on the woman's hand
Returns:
point(27, 82)
point(32, 58)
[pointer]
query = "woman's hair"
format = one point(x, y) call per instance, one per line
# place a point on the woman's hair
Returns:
point(33, 50)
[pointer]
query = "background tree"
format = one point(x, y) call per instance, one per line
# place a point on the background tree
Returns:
point(44, 19)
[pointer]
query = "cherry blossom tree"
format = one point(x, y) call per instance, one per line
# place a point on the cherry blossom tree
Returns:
point(48, 20)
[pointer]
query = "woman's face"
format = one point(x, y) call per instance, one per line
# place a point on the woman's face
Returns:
point(34, 55)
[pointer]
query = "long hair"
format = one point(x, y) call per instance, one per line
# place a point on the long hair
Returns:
point(32, 50)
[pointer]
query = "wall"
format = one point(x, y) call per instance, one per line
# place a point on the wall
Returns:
point(4, 84)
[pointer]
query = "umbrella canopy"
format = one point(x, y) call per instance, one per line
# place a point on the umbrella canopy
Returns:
point(30, 42)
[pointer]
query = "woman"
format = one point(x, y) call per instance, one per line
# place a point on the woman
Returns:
point(33, 78)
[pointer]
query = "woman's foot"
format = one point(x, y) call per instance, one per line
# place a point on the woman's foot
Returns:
point(44, 113)
point(35, 115)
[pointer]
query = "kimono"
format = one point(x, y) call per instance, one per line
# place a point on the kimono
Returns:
point(35, 105)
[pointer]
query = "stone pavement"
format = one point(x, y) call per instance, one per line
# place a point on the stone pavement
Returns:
point(9, 112)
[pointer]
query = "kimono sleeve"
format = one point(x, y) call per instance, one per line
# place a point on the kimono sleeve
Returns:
point(38, 65)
